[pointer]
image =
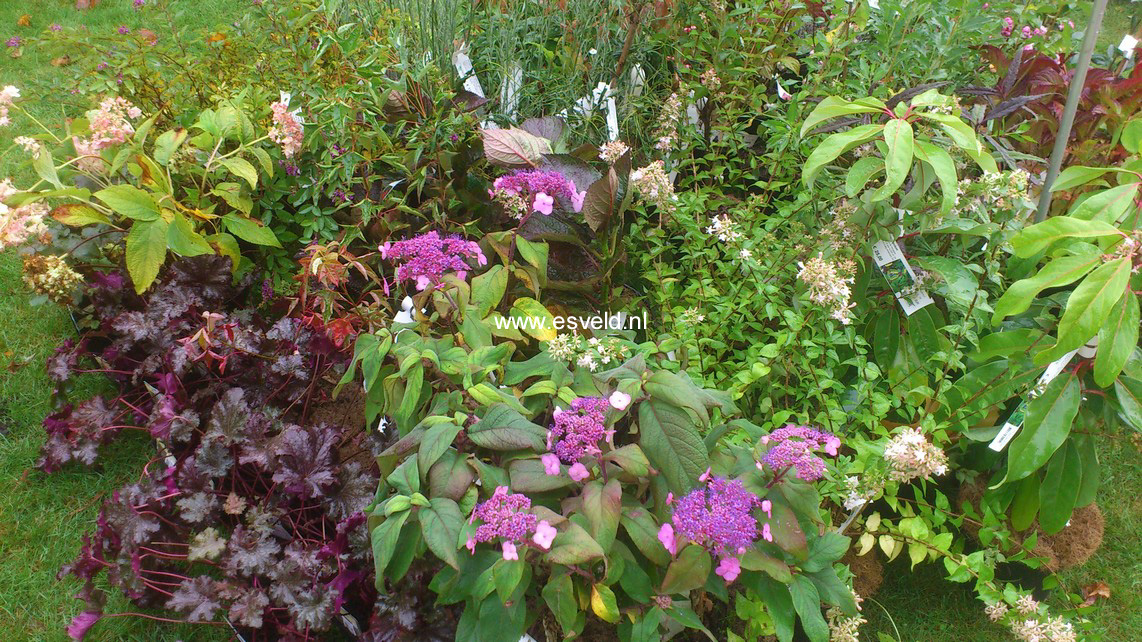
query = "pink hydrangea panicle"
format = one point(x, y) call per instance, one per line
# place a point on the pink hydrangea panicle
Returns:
point(288, 130)
point(8, 96)
point(579, 429)
point(110, 125)
point(666, 536)
point(718, 515)
point(796, 447)
point(428, 257)
point(729, 568)
point(544, 535)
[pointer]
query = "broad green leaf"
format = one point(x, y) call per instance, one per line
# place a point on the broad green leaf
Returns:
point(604, 604)
point(755, 560)
point(643, 531)
point(834, 591)
point(779, 603)
point(1026, 503)
point(514, 147)
point(670, 439)
point(1132, 136)
point(923, 334)
point(437, 439)
point(1129, 394)
point(1060, 271)
point(440, 524)
point(78, 215)
point(807, 603)
point(535, 320)
point(488, 289)
point(573, 545)
point(507, 575)
point(1108, 206)
point(242, 168)
point(1060, 488)
point(1045, 426)
point(603, 508)
point(898, 160)
point(945, 169)
point(45, 167)
point(1040, 236)
point(1075, 176)
point(384, 541)
point(183, 239)
point(1117, 339)
point(502, 428)
point(886, 338)
point(787, 532)
point(687, 572)
point(1088, 308)
point(146, 252)
point(834, 106)
point(129, 201)
point(956, 129)
point(250, 230)
point(860, 173)
point(167, 144)
point(529, 476)
point(559, 594)
point(645, 628)
point(631, 459)
point(1088, 461)
point(227, 246)
point(834, 146)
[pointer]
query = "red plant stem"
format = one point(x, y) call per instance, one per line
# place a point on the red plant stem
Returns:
point(160, 619)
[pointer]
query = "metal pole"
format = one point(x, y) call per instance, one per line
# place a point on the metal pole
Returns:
point(1073, 94)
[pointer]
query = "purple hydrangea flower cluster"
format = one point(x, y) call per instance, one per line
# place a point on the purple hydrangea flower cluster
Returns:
point(505, 515)
point(796, 447)
point(428, 257)
point(578, 430)
point(718, 516)
point(536, 189)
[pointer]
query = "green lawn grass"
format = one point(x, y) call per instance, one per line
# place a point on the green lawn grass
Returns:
point(43, 517)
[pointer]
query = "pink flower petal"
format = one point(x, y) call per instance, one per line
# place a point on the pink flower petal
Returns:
point(550, 463)
point(578, 472)
point(619, 400)
point(729, 568)
point(666, 536)
point(766, 534)
point(543, 203)
point(510, 551)
point(767, 508)
point(544, 535)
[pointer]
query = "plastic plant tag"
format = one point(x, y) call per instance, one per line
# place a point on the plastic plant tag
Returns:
point(463, 65)
point(509, 91)
point(896, 270)
point(1015, 421)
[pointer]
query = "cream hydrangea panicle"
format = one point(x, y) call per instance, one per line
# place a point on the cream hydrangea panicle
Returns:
point(613, 151)
point(288, 130)
point(828, 286)
point(910, 455)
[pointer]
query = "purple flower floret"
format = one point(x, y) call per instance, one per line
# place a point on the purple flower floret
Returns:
point(535, 190)
point(796, 447)
point(718, 516)
point(428, 257)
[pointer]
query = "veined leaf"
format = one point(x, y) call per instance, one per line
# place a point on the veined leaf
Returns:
point(1040, 236)
point(146, 252)
point(945, 169)
point(440, 523)
point(1088, 308)
point(242, 168)
point(860, 173)
point(1045, 426)
point(1060, 489)
point(1108, 205)
point(1060, 271)
point(129, 201)
point(834, 146)
point(1117, 339)
point(670, 439)
point(898, 160)
point(833, 106)
point(250, 230)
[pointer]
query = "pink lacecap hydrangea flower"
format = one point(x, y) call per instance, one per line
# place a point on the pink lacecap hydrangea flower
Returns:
point(428, 257)
point(576, 434)
point(539, 188)
point(505, 516)
point(796, 447)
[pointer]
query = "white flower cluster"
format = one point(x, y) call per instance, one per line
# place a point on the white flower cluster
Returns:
point(613, 151)
point(654, 184)
point(829, 285)
point(667, 131)
point(910, 456)
point(587, 353)
point(1026, 625)
point(725, 229)
point(1003, 190)
point(843, 628)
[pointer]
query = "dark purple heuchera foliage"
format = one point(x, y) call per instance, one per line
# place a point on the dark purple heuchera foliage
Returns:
point(248, 512)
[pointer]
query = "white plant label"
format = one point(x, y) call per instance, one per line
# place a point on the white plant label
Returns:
point(509, 92)
point(1015, 421)
point(463, 65)
point(900, 276)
